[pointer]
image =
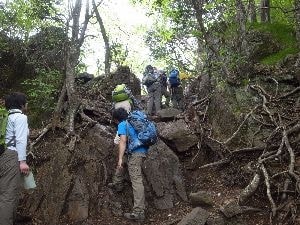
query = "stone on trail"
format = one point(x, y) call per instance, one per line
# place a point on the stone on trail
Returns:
point(197, 216)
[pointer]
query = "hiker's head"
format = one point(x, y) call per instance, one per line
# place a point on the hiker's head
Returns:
point(120, 114)
point(149, 69)
point(15, 100)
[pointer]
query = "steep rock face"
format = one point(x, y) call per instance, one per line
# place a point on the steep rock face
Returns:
point(163, 173)
point(72, 183)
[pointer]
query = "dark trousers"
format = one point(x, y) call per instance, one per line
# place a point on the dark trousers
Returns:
point(10, 179)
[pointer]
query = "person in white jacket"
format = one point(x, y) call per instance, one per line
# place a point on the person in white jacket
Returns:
point(13, 159)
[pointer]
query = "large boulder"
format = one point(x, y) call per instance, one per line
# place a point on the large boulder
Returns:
point(162, 169)
point(178, 134)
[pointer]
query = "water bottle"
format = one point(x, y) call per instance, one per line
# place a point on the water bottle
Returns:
point(29, 182)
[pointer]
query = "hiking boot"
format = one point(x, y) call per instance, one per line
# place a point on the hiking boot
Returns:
point(136, 216)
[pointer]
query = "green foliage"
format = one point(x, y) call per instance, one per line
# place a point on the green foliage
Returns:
point(282, 11)
point(119, 53)
point(19, 18)
point(42, 93)
point(285, 35)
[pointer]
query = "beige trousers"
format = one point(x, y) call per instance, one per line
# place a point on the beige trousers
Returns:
point(134, 163)
point(10, 179)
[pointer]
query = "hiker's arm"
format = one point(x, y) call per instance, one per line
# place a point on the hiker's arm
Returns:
point(122, 148)
point(21, 142)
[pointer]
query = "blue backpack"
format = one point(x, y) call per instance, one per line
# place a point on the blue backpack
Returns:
point(174, 79)
point(146, 130)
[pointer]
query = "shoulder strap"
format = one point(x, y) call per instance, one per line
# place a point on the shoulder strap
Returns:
point(11, 113)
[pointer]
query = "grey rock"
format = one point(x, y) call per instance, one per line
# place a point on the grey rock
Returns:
point(197, 216)
point(163, 173)
point(231, 209)
point(168, 113)
point(179, 134)
point(201, 198)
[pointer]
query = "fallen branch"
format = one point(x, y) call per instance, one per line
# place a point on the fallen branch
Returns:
point(250, 189)
point(43, 132)
point(236, 132)
point(250, 149)
point(290, 93)
point(267, 182)
point(220, 162)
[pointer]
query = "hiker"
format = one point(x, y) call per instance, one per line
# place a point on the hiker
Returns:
point(13, 158)
point(176, 89)
point(151, 81)
point(123, 97)
point(133, 159)
point(164, 87)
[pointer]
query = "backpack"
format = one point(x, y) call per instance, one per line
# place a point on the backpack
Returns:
point(149, 79)
point(119, 93)
point(146, 130)
point(3, 124)
point(174, 79)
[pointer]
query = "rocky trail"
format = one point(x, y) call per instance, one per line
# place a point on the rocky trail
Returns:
point(210, 166)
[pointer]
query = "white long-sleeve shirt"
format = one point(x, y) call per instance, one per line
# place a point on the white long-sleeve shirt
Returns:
point(17, 133)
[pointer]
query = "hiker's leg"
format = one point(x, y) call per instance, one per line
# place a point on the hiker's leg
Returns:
point(150, 102)
point(167, 96)
point(157, 99)
point(119, 176)
point(10, 180)
point(180, 98)
point(135, 172)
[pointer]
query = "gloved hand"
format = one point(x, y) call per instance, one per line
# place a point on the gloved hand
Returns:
point(117, 139)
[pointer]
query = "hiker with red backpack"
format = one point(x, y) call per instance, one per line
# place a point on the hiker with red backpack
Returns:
point(176, 89)
point(151, 81)
point(14, 134)
point(136, 133)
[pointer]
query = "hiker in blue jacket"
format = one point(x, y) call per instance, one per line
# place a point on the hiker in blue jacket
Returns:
point(134, 161)
point(13, 159)
point(176, 89)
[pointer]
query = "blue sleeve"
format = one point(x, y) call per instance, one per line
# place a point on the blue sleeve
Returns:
point(122, 128)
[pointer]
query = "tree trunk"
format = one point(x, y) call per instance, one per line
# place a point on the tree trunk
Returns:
point(71, 61)
point(252, 11)
point(265, 11)
point(241, 21)
point(198, 7)
point(105, 39)
point(297, 16)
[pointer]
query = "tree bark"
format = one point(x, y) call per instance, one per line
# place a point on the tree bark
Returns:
point(265, 11)
point(71, 61)
point(297, 16)
point(241, 21)
point(107, 63)
point(252, 11)
point(198, 7)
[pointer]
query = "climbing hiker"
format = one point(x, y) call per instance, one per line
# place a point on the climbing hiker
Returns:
point(176, 89)
point(164, 87)
point(151, 81)
point(14, 130)
point(132, 152)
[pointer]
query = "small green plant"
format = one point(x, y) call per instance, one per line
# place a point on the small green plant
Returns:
point(42, 94)
point(285, 35)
